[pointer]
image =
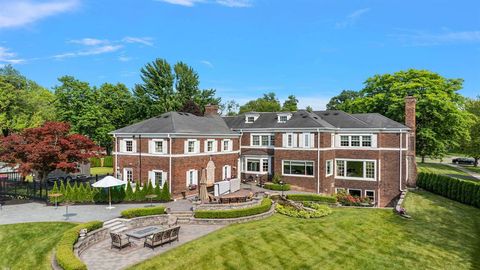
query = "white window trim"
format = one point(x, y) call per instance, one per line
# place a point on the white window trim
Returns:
point(365, 194)
point(164, 177)
point(152, 146)
point(255, 117)
point(364, 169)
point(123, 146)
point(230, 145)
point(214, 146)
point(261, 159)
point(331, 167)
point(338, 141)
point(196, 146)
point(260, 140)
point(125, 174)
point(195, 177)
point(280, 115)
point(226, 170)
point(348, 191)
point(298, 175)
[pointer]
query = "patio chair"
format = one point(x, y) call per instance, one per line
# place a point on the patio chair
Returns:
point(166, 236)
point(175, 232)
point(154, 240)
point(119, 241)
point(172, 221)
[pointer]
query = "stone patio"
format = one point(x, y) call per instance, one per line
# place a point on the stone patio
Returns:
point(101, 256)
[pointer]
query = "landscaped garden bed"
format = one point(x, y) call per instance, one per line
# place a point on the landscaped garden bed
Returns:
point(312, 198)
point(263, 207)
point(307, 210)
point(277, 187)
point(141, 212)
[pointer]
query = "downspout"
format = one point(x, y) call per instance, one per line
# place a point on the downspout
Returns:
point(170, 163)
point(318, 160)
point(116, 157)
point(400, 161)
point(240, 163)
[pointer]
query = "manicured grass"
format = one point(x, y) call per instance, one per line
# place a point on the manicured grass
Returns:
point(29, 245)
point(443, 234)
point(443, 169)
point(101, 170)
point(473, 169)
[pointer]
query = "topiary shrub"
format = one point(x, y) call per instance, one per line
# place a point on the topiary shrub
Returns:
point(64, 251)
point(129, 195)
point(108, 161)
point(165, 196)
point(319, 210)
point(312, 198)
point(141, 212)
point(263, 207)
point(273, 186)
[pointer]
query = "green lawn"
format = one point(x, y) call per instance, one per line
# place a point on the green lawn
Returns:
point(101, 170)
point(473, 169)
point(28, 245)
point(443, 234)
point(443, 169)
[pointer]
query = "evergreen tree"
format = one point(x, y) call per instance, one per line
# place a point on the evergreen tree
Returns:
point(158, 192)
point(129, 195)
point(62, 190)
point(53, 191)
point(165, 193)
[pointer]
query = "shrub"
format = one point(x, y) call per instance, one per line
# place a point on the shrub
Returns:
point(129, 195)
point(319, 211)
point(349, 200)
point(64, 250)
point(95, 162)
point(273, 186)
point(276, 178)
point(108, 161)
point(139, 192)
point(165, 195)
point(141, 212)
point(464, 191)
point(263, 207)
point(312, 198)
point(53, 191)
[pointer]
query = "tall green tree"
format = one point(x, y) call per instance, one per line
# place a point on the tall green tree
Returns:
point(23, 103)
point(290, 105)
point(165, 89)
point(343, 101)
point(267, 103)
point(441, 122)
point(230, 108)
point(116, 101)
point(472, 147)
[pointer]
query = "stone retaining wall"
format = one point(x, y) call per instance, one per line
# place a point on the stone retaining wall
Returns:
point(90, 239)
point(218, 206)
point(226, 221)
point(139, 222)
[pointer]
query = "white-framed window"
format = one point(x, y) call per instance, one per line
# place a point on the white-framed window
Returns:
point(356, 141)
point(192, 177)
point(329, 167)
point(227, 172)
point(128, 174)
point(297, 167)
point(263, 140)
point(250, 118)
point(283, 117)
point(157, 177)
point(257, 165)
point(355, 192)
point(128, 146)
point(370, 194)
point(227, 145)
point(210, 146)
point(356, 169)
point(158, 146)
point(306, 139)
point(192, 146)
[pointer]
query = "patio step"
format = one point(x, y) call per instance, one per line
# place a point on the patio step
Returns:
point(183, 217)
point(115, 225)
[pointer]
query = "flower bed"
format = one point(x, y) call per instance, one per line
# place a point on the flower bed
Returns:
point(64, 251)
point(349, 200)
point(250, 211)
point(312, 198)
point(141, 212)
point(318, 210)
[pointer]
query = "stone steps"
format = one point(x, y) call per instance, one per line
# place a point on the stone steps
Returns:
point(115, 225)
point(183, 217)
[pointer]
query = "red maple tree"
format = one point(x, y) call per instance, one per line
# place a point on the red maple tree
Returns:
point(47, 148)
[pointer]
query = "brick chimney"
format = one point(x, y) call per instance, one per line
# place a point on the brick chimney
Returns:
point(410, 108)
point(211, 110)
point(410, 121)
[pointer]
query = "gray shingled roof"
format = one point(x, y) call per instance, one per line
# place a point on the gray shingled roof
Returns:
point(178, 122)
point(299, 119)
point(378, 120)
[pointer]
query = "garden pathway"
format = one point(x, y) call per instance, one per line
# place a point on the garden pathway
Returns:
point(461, 168)
point(100, 256)
point(39, 212)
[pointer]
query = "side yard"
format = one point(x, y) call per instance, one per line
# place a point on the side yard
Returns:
point(443, 234)
point(443, 169)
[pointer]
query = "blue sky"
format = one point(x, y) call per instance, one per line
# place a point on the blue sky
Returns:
point(243, 48)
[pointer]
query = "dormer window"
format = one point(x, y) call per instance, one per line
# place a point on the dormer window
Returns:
point(283, 117)
point(250, 118)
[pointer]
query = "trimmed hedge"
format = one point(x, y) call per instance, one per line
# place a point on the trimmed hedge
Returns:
point(273, 186)
point(108, 161)
point(64, 252)
point(312, 198)
point(141, 212)
point(263, 207)
point(320, 211)
point(464, 191)
point(96, 161)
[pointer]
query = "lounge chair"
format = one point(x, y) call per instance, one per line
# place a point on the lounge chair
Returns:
point(154, 240)
point(120, 241)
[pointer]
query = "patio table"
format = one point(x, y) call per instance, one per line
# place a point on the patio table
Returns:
point(145, 232)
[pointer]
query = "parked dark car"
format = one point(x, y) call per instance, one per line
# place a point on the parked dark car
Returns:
point(463, 161)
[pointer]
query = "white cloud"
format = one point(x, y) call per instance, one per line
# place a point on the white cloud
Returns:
point(8, 57)
point(352, 18)
point(89, 41)
point(142, 40)
point(227, 3)
point(90, 51)
point(422, 38)
point(207, 63)
point(22, 12)
point(123, 58)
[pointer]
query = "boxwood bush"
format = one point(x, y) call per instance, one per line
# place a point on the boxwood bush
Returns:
point(273, 186)
point(464, 191)
point(64, 251)
point(141, 212)
point(312, 198)
point(263, 207)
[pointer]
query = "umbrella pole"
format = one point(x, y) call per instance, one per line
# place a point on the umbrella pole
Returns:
point(109, 199)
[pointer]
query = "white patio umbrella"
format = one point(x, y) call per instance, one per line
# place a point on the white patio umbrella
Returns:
point(108, 182)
